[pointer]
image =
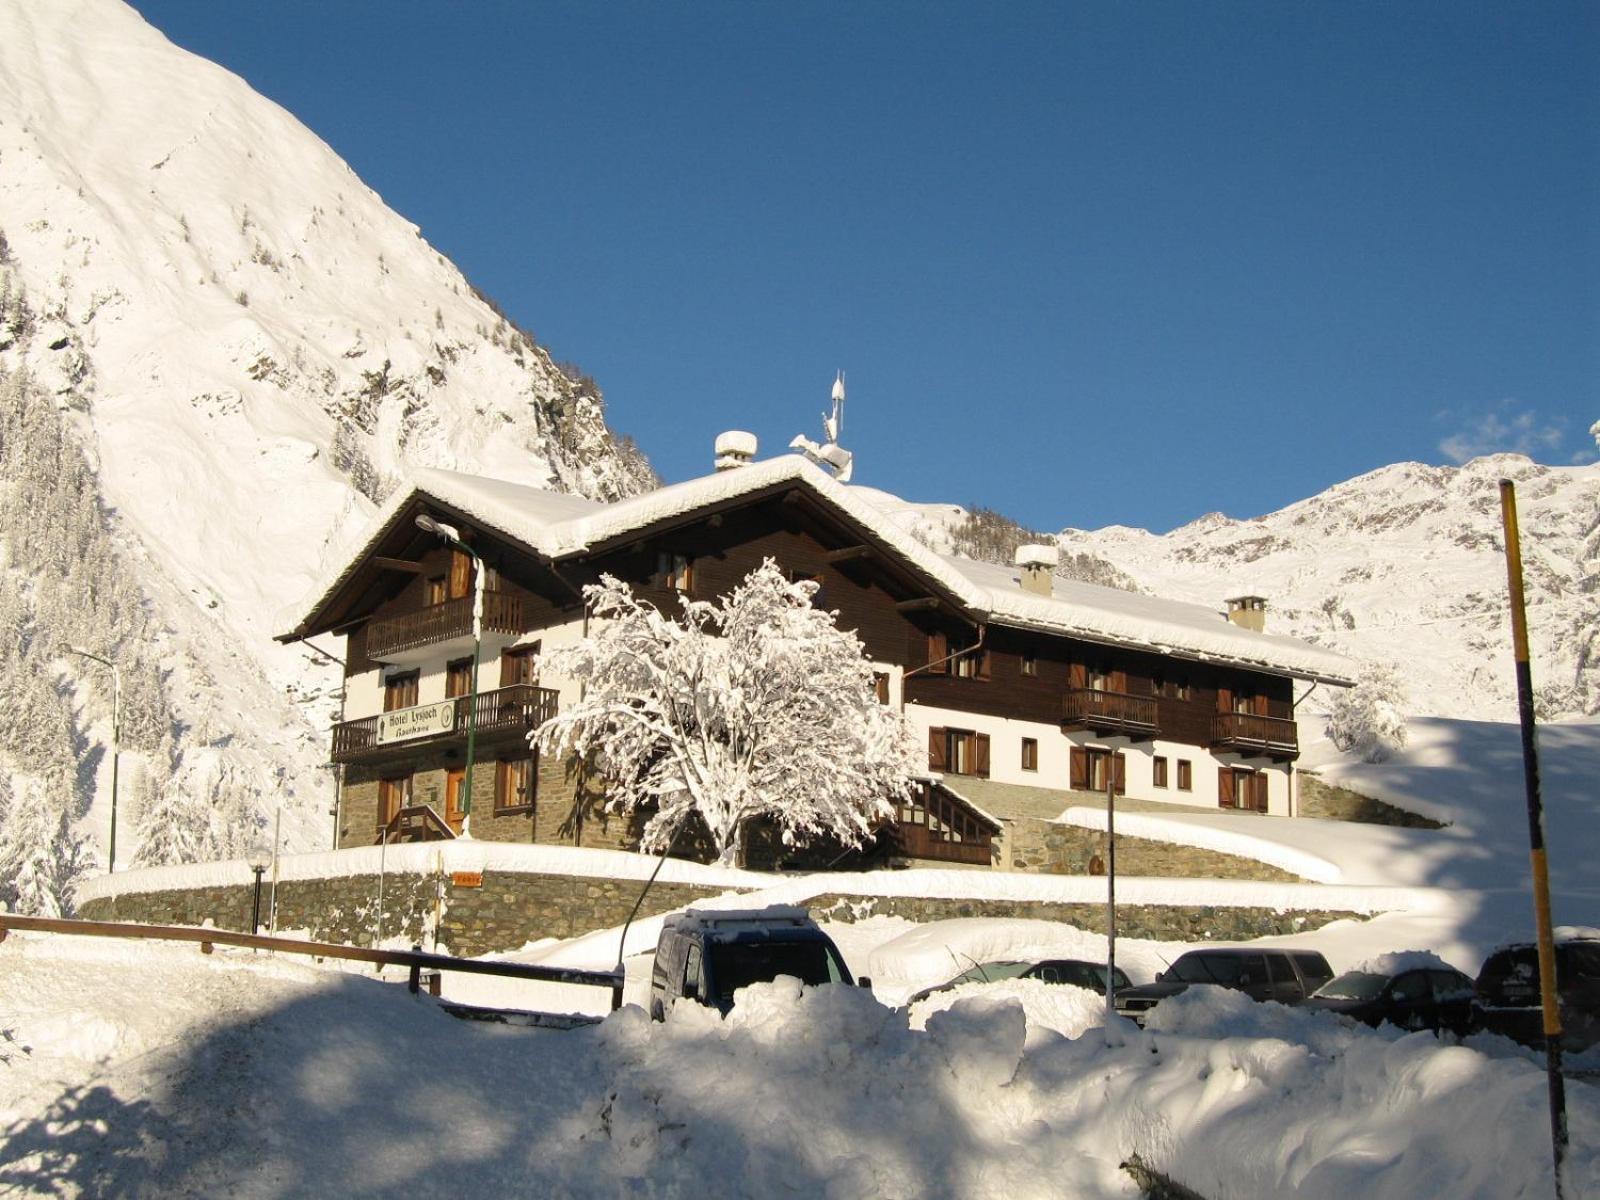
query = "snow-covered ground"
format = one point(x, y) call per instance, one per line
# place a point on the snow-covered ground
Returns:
point(248, 1075)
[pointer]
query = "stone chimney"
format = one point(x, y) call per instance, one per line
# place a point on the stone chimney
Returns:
point(1248, 612)
point(1036, 565)
point(735, 448)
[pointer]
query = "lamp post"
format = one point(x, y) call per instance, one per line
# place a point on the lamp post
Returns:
point(452, 535)
point(116, 743)
point(257, 859)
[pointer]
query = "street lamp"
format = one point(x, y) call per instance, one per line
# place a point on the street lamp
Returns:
point(452, 535)
point(258, 860)
point(116, 744)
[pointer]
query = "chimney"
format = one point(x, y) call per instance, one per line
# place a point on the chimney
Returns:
point(735, 448)
point(1248, 612)
point(1036, 565)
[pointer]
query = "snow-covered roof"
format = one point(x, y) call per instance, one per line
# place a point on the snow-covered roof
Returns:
point(559, 526)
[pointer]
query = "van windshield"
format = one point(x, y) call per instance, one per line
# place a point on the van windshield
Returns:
point(1214, 968)
point(738, 964)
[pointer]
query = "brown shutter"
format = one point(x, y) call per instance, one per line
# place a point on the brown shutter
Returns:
point(1078, 760)
point(1224, 699)
point(1261, 704)
point(980, 755)
point(1077, 675)
point(1119, 682)
point(983, 664)
point(508, 669)
point(938, 651)
point(937, 758)
point(1225, 794)
point(1119, 767)
point(1258, 783)
point(460, 573)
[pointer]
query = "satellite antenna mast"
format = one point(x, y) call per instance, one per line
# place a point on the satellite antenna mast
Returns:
point(830, 456)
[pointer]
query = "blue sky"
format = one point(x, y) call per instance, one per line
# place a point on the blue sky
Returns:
point(1084, 263)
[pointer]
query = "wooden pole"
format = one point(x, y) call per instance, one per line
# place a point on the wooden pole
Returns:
point(1541, 875)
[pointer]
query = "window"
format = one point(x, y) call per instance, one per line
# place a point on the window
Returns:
point(955, 656)
point(460, 573)
point(520, 665)
point(1185, 776)
point(1099, 679)
point(1158, 771)
point(1030, 754)
point(393, 795)
point(1030, 665)
point(958, 751)
point(516, 784)
point(458, 678)
point(1171, 688)
point(433, 591)
point(1088, 770)
point(880, 687)
point(400, 691)
point(972, 666)
point(1239, 787)
point(675, 571)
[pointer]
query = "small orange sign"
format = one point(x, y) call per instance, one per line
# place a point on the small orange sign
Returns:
point(466, 879)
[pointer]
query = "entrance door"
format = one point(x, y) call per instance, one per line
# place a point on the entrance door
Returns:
point(454, 793)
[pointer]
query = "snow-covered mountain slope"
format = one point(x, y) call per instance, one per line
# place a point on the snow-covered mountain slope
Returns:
point(249, 347)
point(1407, 564)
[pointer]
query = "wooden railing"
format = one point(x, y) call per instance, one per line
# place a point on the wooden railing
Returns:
point(520, 707)
point(934, 824)
point(417, 960)
point(416, 823)
point(1252, 733)
point(502, 613)
point(1109, 712)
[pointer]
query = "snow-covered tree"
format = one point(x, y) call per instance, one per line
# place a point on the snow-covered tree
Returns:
point(1367, 718)
point(753, 706)
point(41, 859)
point(172, 828)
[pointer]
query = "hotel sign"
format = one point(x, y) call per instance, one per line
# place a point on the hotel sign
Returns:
point(406, 723)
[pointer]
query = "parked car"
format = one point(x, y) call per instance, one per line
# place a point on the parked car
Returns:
point(1287, 976)
point(1411, 991)
point(1074, 971)
point(1509, 999)
point(705, 956)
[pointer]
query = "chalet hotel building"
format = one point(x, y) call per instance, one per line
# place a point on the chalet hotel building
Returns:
point(1026, 688)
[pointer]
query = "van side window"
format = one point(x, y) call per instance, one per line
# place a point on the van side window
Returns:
point(691, 973)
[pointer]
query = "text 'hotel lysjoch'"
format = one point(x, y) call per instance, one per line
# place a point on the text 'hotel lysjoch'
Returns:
point(1026, 688)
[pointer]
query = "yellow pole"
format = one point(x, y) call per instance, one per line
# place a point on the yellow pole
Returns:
point(1541, 874)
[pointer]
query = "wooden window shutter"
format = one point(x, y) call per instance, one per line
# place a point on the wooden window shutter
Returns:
point(1119, 682)
point(983, 664)
point(938, 759)
point(980, 755)
point(1077, 675)
point(508, 668)
point(1119, 767)
point(460, 573)
point(1261, 704)
point(1079, 768)
point(1225, 793)
point(938, 651)
point(1258, 784)
point(1224, 699)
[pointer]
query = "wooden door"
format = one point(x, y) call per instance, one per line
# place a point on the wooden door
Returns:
point(454, 792)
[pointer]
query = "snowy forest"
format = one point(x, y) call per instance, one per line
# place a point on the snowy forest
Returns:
point(65, 581)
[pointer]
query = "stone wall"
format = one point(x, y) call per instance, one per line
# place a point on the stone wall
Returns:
point(1159, 922)
point(508, 910)
point(1319, 799)
point(1054, 849)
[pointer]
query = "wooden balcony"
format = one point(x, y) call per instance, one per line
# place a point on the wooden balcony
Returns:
point(502, 613)
point(1248, 733)
point(934, 823)
point(1110, 713)
point(515, 709)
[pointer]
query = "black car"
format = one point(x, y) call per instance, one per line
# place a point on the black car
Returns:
point(1509, 995)
point(1432, 996)
point(1287, 976)
point(1074, 971)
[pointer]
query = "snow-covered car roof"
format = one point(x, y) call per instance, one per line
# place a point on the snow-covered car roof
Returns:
point(559, 527)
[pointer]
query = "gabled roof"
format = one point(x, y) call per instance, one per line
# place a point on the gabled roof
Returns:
point(560, 527)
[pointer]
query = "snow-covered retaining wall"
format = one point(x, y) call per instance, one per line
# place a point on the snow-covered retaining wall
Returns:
point(485, 897)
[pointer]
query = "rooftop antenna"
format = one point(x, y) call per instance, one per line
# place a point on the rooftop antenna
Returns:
point(830, 456)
